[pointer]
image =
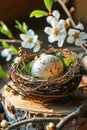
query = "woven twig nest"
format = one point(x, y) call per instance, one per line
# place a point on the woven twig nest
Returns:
point(50, 89)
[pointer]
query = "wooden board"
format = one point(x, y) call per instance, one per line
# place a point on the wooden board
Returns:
point(63, 105)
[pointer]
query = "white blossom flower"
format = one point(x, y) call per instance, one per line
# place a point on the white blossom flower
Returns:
point(56, 16)
point(29, 39)
point(57, 32)
point(7, 52)
point(77, 36)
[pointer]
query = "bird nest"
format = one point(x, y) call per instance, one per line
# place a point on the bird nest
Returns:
point(51, 89)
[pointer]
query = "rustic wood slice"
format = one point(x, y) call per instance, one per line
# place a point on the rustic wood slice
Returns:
point(67, 104)
point(59, 108)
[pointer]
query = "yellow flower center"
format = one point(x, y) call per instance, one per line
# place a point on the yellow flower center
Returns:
point(29, 40)
point(76, 35)
point(56, 31)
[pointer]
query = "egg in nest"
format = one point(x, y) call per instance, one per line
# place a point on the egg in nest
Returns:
point(47, 66)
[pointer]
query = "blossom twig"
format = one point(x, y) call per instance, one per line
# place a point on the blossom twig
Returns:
point(84, 48)
point(11, 40)
point(66, 11)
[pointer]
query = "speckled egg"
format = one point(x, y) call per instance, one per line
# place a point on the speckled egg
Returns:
point(47, 66)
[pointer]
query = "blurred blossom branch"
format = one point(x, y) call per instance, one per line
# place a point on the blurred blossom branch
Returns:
point(11, 40)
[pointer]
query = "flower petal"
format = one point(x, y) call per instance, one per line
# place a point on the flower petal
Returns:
point(63, 31)
point(62, 22)
point(8, 58)
point(61, 37)
point(83, 35)
point(49, 19)
point(60, 43)
point(48, 30)
point(72, 31)
point(80, 26)
point(70, 39)
point(78, 42)
point(56, 14)
point(27, 45)
point(52, 38)
point(30, 45)
point(30, 33)
point(24, 44)
point(35, 38)
point(23, 37)
point(36, 47)
point(54, 23)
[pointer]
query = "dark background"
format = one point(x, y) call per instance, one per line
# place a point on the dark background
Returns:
point(20, 9)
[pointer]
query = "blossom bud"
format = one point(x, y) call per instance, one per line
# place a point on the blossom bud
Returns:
point(72, 9)
point(68, 22)
point(51, 126)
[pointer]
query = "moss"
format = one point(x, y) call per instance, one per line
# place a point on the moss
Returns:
point(26, 69)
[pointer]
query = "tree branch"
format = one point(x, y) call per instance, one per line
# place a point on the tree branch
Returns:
point(80, 111)
point(66, 11)
point(11, 40)
point(34, 120)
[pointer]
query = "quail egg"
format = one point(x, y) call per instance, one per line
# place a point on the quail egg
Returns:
point(47, 66)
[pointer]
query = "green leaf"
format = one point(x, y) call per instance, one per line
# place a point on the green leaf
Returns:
point(38, 13)
point(5, 44)
point(14, 49)
point(48, 4)
point(22, 27)
point(59, 56)
point(69, 60)
point(5, 30)
point(25, 27)
point(3, 74)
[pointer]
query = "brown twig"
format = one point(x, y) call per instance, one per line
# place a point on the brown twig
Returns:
point(66, 11)
point(80, 111)
point(34, 120)
point(11, 40)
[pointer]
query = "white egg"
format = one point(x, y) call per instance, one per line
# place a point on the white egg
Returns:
point(47, 66)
